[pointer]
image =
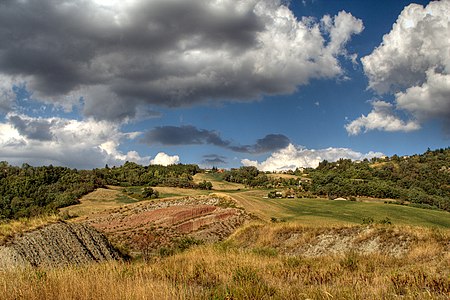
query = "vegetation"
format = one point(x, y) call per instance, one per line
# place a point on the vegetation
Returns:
point(314, 211)
point(255, 263)
point(31, 191)
point(420, 180)
point(132, 174)
point(230, 271)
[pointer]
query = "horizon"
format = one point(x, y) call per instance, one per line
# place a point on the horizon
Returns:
point(273, 84)
point(231, 168)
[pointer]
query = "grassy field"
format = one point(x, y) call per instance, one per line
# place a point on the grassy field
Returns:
point(283, 176)
point(217, 182)
point(326, 212)
point(222, 271)
point(99, 200)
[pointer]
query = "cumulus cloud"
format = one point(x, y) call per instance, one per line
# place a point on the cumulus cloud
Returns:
point(164, 159)
point(413, 63)
point(293, 157)
point(121, 56)
point(431, 99)
point(382, 117)
point(32, 128)
point(66, 142)
point(191, 135)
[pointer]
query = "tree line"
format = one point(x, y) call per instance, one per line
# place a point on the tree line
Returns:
point(423, 180)
point(29, 191)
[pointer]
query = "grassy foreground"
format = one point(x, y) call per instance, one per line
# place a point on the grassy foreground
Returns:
point(230, 271)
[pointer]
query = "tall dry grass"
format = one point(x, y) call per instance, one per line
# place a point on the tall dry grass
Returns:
point(16, 227)
point(224, 271)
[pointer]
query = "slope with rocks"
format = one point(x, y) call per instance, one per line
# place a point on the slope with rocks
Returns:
point(57, 245)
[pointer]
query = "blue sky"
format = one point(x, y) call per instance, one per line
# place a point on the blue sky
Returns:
point(274, 84)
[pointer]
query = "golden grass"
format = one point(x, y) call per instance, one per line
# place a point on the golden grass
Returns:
point(283, 176)
point(99, 200)
point(223, 271)
point(17, 227)
point(218, 184)
point(179, 191)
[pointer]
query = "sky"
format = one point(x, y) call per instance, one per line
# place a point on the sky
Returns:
point(268, 83)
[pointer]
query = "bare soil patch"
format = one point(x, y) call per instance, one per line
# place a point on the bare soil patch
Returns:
point(151, 225)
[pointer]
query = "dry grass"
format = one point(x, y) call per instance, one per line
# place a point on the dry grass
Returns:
point(217, 182)
point(252, 264)
point(418, 243)
point(283, 176)
point(223, 271)
point(179, 192)
point(17, 227)
point(99, 200)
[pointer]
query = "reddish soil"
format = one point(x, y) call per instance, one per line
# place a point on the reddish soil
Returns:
point(162, 223)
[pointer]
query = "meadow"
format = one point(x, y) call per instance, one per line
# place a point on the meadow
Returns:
point(227, 270)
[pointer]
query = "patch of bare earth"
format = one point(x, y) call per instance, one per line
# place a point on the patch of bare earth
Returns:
point(151, 225)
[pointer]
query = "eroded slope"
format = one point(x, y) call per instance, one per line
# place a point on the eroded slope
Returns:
point(57, 245)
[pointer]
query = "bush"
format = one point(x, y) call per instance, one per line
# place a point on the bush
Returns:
point(148, 192)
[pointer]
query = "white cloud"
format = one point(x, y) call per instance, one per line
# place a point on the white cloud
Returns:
point(73, 143)
point(413, 63)
point(121, 56)
point(163, 159)
point(382, 117)
point(340, 29)
point(432, 98)
point(293, 157)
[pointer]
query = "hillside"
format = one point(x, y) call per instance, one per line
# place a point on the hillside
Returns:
point(161, 226)
point(282, 261)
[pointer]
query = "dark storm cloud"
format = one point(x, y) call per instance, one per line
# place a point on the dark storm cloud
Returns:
point(32, 129)
point(190, 135)
point(214, 160)
point(269, 143)
point(130, 54)
point(184, 135)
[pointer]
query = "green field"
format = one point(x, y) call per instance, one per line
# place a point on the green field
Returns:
point(312, 212)
point(327, 212)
